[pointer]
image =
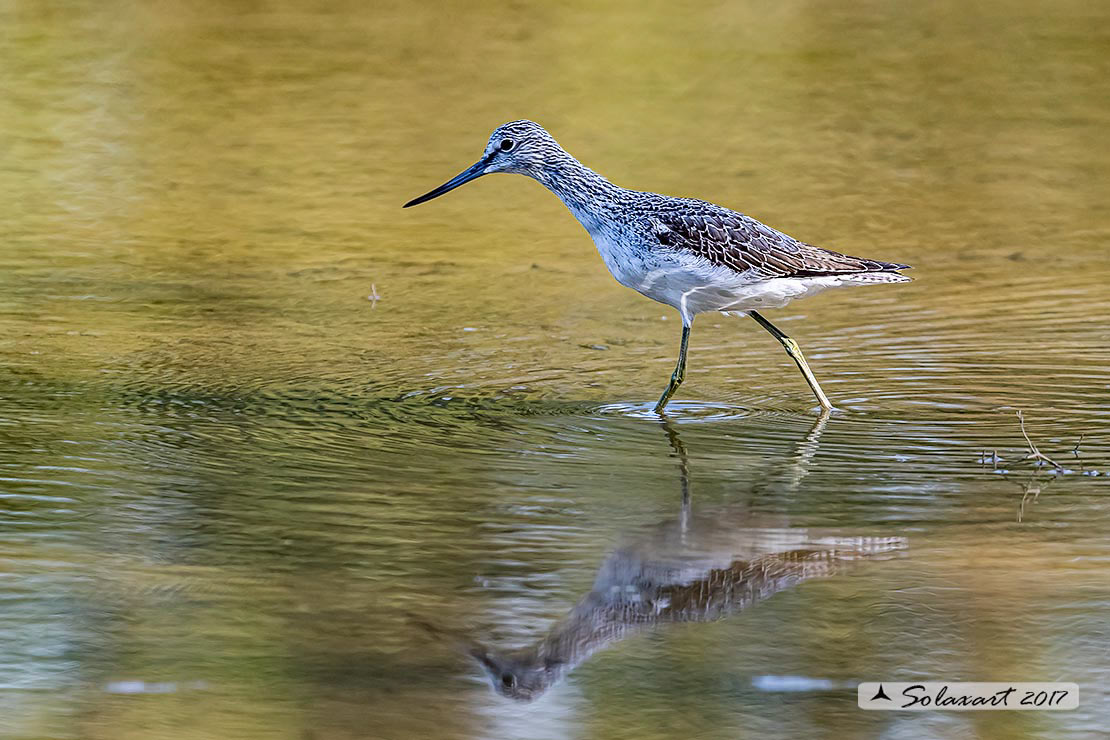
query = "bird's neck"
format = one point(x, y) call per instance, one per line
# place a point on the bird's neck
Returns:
point(588, 195)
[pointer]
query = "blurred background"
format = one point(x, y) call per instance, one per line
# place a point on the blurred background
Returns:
point(259, 427)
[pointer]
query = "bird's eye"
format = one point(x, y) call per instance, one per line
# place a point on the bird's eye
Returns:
point(507, 145)
point(508, 680)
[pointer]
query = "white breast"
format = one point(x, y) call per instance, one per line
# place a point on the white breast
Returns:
point(694, 285)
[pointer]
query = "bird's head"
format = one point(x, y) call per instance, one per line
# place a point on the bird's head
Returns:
point(522, 147)
point(523, 676)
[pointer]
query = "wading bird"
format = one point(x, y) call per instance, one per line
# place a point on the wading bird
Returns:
point(686, 253)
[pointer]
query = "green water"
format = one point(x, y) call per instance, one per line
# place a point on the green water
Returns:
point(233, 488)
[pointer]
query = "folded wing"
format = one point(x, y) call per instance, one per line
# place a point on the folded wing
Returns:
point(733, 240)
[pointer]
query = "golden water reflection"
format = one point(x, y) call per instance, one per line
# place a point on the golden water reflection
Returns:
point(253, 416)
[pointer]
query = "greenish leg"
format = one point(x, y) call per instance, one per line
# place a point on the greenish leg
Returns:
point(679, 373)
point(795, 353)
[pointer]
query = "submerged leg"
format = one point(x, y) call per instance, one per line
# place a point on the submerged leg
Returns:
point(795, 353)
point(679, 373)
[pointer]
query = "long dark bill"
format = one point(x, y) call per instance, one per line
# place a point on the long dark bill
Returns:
point(471, 173)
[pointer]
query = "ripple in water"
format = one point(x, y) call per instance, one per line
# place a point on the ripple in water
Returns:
point(681, 412)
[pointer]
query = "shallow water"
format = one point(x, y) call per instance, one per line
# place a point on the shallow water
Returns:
point(240, 498)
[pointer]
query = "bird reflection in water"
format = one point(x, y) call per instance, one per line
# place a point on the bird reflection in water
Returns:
point(699, 567)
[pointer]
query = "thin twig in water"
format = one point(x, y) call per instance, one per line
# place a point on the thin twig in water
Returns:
point(1034, 487)
point(1033, 451)
point(992, 457)
point(1075, 452)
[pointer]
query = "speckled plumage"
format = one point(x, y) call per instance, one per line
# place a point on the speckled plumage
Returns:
point(740, 242)
point(674, 248)
point(686, 253)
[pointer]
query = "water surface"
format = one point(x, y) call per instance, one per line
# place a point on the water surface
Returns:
point(260, 427)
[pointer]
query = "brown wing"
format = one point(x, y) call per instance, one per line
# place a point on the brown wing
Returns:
point(737, 241)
